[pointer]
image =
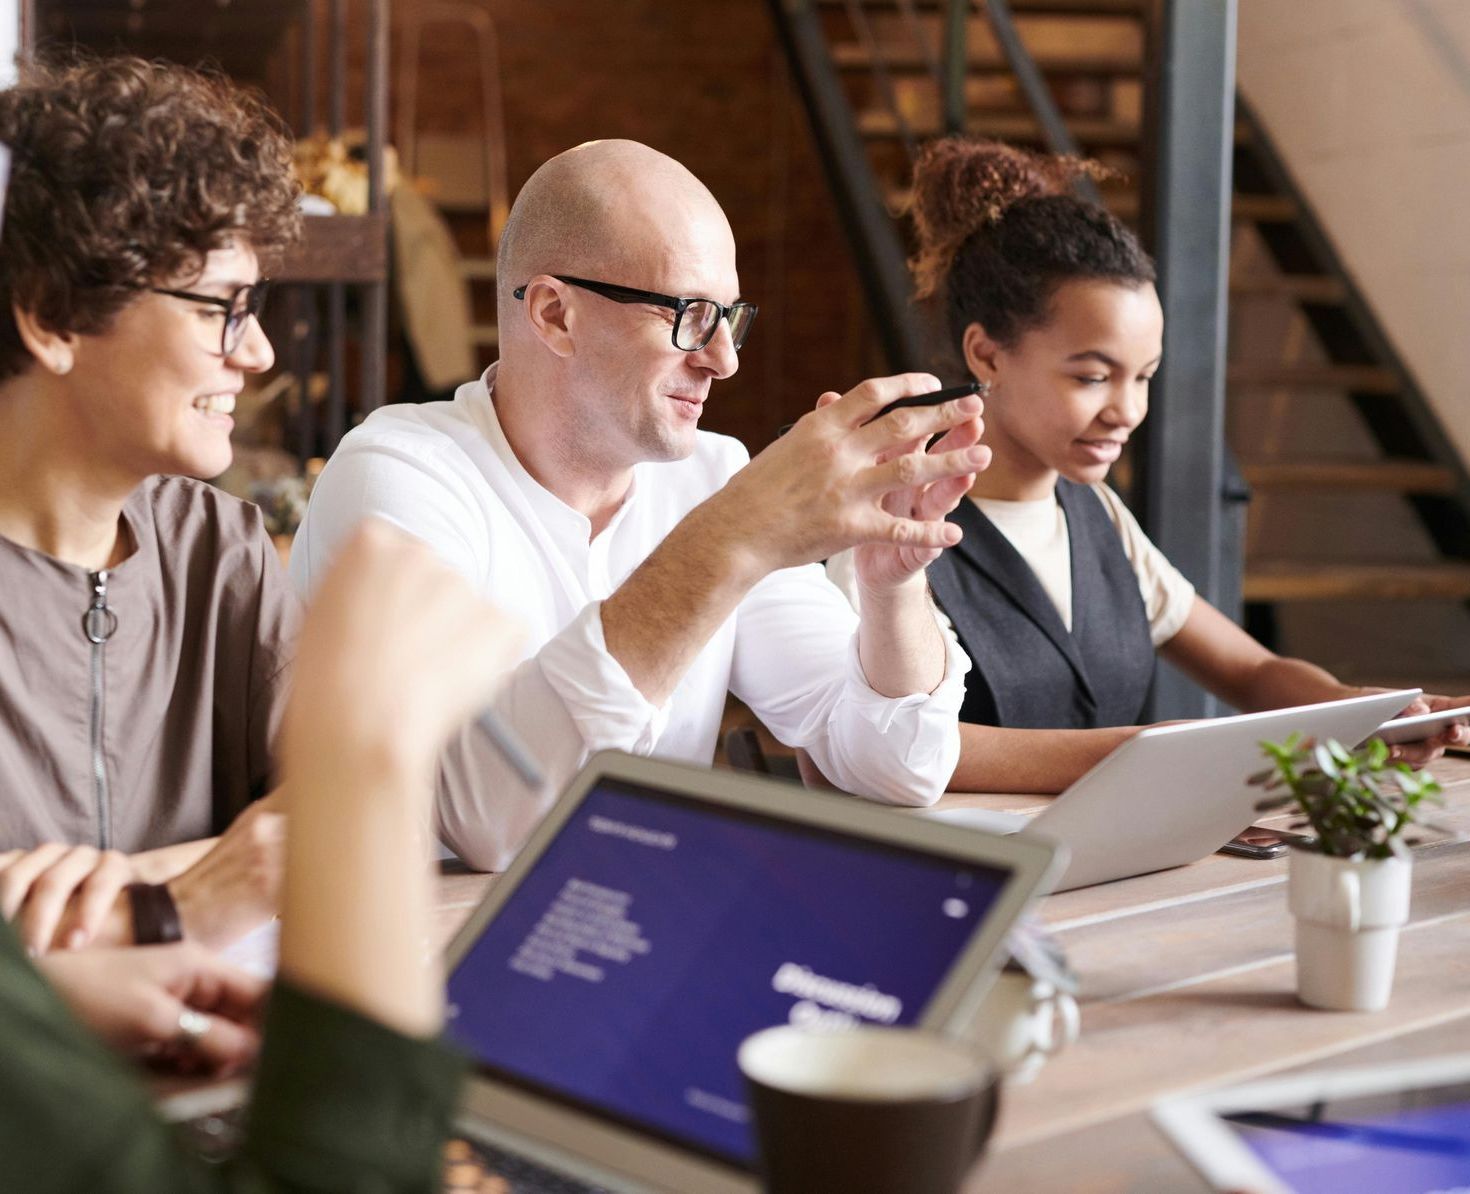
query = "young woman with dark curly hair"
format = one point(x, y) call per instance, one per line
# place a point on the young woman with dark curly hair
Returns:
point(146, 621)
point(1056, 594)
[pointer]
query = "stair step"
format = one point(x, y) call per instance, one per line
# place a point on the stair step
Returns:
point(1304, 288)
point(1264, 209)
point(477, 269)
point(1125, 205)
point(1365, 379)
point(1016, 128)
point(908, 59)
point(1280, 580)
point(1395, 476)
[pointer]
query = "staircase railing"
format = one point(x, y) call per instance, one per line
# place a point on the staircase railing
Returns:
point(877, 249)
point(1404, 425)
point(1028, 76)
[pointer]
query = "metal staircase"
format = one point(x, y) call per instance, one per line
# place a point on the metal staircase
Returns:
point(907, 70)
point(1355, 361)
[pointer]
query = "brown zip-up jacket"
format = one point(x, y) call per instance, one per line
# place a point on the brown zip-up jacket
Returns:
point(137, 705)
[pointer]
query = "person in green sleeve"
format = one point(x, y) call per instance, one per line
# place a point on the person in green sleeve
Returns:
point(352, 1092)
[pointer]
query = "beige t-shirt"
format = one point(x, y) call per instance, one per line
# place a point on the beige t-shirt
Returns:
point(1038, 532)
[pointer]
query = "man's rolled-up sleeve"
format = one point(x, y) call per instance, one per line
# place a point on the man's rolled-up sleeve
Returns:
point(797, 667)
point(566, 702)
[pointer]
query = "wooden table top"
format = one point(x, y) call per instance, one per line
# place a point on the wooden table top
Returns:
point(1188, 981)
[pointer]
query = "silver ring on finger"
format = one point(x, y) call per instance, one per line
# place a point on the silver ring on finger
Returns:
point(192, 1026)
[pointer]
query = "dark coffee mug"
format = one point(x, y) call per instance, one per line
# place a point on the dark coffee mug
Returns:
point(881, 1110)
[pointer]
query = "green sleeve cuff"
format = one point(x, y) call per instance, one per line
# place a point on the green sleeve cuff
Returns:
point(340, 1097)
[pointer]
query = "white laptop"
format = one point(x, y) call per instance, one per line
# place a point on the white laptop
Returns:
point(660, 915)
point(1402, 1127)
point(1172, 794)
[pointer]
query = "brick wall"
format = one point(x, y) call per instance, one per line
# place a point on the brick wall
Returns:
point(708, 85)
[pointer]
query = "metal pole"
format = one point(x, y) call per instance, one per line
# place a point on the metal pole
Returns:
point(870, 230)
point(1183, 464)
point(300, 321)
point(336, 423)
point(1033, 86)
point(337, 98)
point(956, 61)
point(308, 69)
point(375, 297)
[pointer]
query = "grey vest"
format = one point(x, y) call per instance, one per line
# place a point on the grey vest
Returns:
point(1029, 671)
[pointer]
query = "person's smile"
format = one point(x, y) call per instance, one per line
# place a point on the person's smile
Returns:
point(1103, 450)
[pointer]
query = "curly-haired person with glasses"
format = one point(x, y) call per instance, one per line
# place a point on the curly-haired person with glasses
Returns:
point(146, 621)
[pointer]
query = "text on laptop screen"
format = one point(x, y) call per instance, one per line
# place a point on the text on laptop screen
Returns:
point(653, 935)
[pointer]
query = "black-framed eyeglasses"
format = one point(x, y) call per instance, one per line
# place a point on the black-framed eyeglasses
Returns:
point(695, 319)
point(242, 306)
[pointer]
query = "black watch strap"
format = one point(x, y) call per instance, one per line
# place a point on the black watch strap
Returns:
point(155, 915)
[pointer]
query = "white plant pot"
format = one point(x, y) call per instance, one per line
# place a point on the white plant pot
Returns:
point(1348, 915)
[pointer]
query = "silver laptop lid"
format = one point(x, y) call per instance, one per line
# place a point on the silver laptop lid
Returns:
point(663, 913)
point(1174, 793)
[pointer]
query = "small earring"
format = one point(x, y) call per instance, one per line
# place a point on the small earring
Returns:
point(63, 365)
point(983, 389)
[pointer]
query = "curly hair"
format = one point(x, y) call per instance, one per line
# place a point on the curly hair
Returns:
point(124, 174)
point(998, 231)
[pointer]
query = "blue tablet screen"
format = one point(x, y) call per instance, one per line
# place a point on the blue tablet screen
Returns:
point(1417, 1142)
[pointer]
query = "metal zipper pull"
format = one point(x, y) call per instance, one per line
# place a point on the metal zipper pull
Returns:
point(99, 622)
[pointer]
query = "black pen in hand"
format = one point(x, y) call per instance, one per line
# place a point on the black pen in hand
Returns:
point(933, 398)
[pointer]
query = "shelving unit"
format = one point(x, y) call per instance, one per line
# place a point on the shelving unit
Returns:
point(279, 46)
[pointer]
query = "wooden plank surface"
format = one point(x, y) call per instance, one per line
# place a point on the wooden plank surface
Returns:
point(459, 893)
point(1188, 980)
point(1391, 475)
point(1285, 580)
point(1128, 1155)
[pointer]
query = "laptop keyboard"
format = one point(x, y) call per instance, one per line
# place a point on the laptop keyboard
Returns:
point(469, 1168)
point(216, 1135)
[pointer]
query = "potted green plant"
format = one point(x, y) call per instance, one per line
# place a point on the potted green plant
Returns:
point(1348, 884)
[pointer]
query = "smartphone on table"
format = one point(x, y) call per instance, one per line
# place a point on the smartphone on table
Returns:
point(1420, 726)
point(1258, 842)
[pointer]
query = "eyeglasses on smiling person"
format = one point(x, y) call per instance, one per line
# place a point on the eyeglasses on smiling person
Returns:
point(244, 304)
point(695, 319)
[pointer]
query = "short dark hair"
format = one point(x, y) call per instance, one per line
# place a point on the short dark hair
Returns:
point(125, 173)
point(999, 232)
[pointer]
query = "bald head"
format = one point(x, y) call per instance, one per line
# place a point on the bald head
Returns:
point(616, 211)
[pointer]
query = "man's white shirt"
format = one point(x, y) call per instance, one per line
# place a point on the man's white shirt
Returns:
point(445, 473)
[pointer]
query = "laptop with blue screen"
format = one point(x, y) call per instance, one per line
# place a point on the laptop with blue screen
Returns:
point(661, 914)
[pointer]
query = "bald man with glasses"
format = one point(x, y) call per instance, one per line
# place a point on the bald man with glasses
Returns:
point(656, 566)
